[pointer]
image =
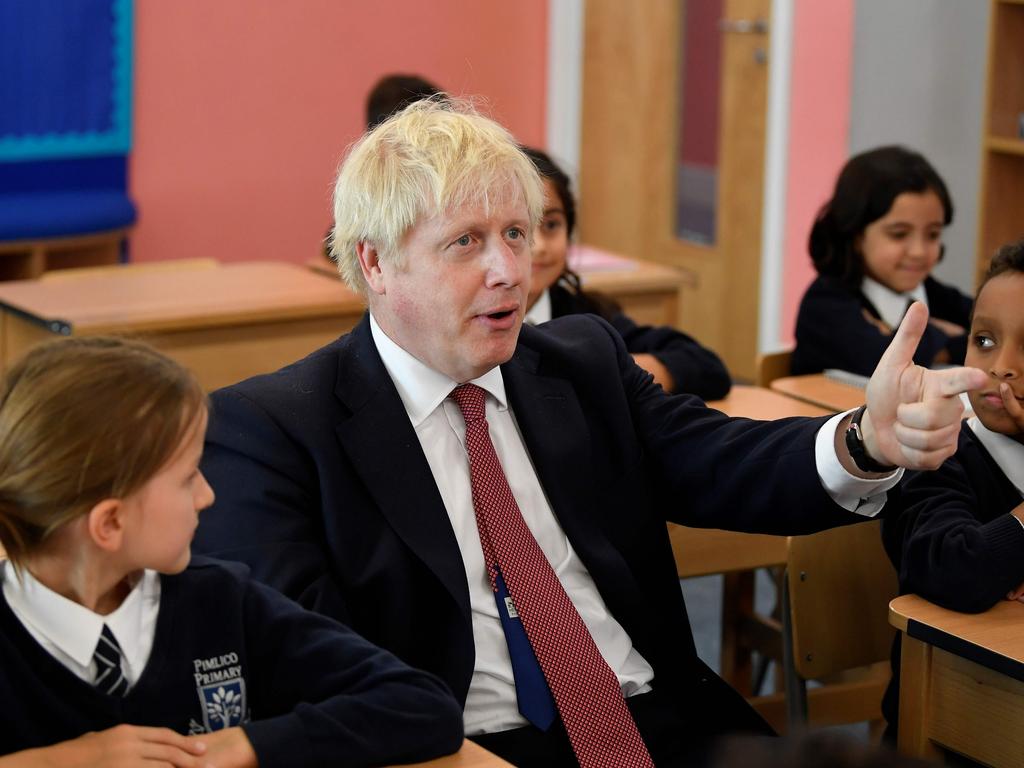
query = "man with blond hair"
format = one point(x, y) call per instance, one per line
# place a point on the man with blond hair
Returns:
point(488, 501)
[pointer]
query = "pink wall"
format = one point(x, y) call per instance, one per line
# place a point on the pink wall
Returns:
point(819, 127)
point(243, 108)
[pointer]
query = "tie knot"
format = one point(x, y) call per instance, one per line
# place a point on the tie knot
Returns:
point(470, 399)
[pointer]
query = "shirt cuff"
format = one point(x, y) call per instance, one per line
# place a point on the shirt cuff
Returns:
point(854, 494)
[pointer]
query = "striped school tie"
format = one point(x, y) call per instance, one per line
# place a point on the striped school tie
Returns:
point(109, 670)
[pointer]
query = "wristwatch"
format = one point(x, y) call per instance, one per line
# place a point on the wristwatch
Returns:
point(855, 445)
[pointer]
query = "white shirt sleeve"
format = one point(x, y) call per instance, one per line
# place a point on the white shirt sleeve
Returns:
point(854, 494)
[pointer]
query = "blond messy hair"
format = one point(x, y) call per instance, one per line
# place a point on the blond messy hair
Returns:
point(434, 156)
point(85, 419)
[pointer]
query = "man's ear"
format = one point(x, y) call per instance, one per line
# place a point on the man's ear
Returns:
point(105, 524)
point(369, 263)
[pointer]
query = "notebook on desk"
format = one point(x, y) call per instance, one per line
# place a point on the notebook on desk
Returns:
point(846, 377)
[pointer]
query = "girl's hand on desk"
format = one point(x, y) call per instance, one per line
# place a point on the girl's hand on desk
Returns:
point(948, 328)
point(229, 748)
point(125, 746)
point(882, 326)
point(656, 368)
point(1016, 594)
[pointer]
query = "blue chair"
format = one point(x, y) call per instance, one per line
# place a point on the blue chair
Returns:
point(65, 118)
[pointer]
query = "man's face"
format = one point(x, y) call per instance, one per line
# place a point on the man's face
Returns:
point(458, 301)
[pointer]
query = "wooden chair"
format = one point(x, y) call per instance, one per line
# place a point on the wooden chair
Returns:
point(773, 365)
point(704, 551)
point(835, 619)
point(169, 265)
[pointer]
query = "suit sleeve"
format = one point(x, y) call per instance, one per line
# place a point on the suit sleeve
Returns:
point(694, 368)
point(713, 471)
point(267, 512)
point(832, 332)
point(948, 549)
point(329, 697)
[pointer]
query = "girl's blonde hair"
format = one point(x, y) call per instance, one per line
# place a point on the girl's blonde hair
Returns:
point(82, 420)
point(434, 156)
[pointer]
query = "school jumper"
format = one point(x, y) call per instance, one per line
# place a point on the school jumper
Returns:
point(695, 369)
point(954, 541)
point(230, 651)
point(832, 332)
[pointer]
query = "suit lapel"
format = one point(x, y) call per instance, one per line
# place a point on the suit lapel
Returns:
point(385, 451)
point(555, 431)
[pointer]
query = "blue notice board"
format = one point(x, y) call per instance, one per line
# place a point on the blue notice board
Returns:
point(65, 78)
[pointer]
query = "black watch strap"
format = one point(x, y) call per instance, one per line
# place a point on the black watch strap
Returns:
point(855, 445)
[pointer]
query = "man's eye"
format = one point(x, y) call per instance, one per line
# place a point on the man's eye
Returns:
point(984, 342)
point(464, 241)
point(515, 233)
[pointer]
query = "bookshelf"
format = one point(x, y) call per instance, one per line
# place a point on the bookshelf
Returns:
point(1001, 217)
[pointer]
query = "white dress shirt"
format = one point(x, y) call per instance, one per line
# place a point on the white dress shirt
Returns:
point(891, 306)
point(439, 425)
point(70, 632)
point(540, 312)
point(1007, 453)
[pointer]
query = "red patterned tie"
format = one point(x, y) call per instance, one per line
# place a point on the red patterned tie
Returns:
point(586, 691)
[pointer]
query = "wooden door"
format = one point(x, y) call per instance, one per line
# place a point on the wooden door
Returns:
point(638, 84)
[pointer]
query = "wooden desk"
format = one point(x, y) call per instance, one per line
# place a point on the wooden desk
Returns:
point(471, 755)
point(961, 680)
point(224, 323)
point(702, 551)
point(649, 293)
point(821, 391)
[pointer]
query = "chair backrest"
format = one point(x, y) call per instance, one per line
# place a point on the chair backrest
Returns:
point(169, 265)
point(840, 584)
point(773, 365)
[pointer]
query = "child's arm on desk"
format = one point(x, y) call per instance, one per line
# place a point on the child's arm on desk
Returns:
point(228, 748)
point(125, 746)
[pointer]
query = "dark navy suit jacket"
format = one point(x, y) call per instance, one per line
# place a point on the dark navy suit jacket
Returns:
point(323, 489)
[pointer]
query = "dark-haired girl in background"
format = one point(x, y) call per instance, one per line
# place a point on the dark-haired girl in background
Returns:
point(676, 361)
point(874, 245)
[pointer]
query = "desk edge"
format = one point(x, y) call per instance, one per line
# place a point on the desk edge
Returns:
point(997, 662)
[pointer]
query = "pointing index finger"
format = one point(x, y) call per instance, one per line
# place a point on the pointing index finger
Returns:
point(950, 382)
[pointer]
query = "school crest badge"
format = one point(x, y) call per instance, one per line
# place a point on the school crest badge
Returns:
point(223, 704)
point(221, 689)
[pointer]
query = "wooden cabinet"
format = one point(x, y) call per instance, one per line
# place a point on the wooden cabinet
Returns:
point(1001, 218)
point(23, 259)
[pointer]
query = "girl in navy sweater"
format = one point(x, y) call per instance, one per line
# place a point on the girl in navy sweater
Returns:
point(115, 649)
point(874, 245)
point(959, 538)
point(676, 361)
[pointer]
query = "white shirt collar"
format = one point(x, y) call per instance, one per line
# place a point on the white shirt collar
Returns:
point(891, 306)
point(72, 627)
point(1007, 453)
point(422, 388)
point(540, 312)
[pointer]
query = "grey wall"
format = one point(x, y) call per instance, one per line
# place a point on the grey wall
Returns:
point(919, 80)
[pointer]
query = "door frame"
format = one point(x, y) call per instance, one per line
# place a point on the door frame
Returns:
point(627, 189)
